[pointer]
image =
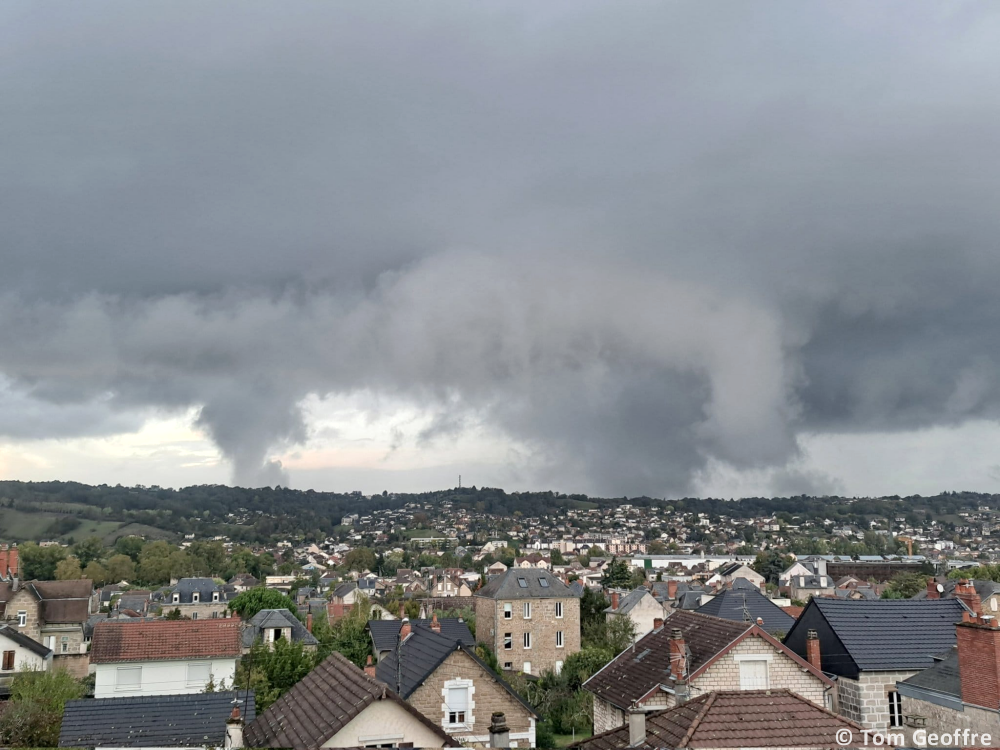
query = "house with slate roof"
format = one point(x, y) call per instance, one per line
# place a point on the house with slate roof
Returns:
point(339, 705)
point(385, 633)
point(758, 718)
point(639, 605)
point(196, 598)
point(530, 619)
point(272, 625)
point(690, 654)
point(162, 721)
point(19, 653)
point(441, 676)
point(871, 645)
point(748, 605)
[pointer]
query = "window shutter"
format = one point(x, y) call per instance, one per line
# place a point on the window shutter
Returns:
point(753, 675)
point(458, 699)
point(8, 660)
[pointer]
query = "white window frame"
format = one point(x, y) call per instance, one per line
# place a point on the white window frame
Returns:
point(527, 610)
point(215, 596)
point(508, 641)
point(470, 698)
point(560, 640)
point(895, 708)
point(128, 688)
point(22, 618)
point(559, 610)
point(526, 640)
point(197, 681)
point(196, 597)
point(766, 658)
point(64, 644)
point(176, 598)
point(508, 610)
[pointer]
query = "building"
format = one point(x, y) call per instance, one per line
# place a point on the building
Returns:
point(759, 719)
point(385, 633)
point(243, 582)
point(803, 587)
point(273, 625)
point(54, 614)
point(19, 653)
point(747, 604)
point(530, 619)
point(870, 645)
point(639, 605)
point(164, 657)
point(339, 705)
point(164, 721)
point(196, 598)
point(730, 572)
point(690, 654)
point(343, 599)
point(444, 679)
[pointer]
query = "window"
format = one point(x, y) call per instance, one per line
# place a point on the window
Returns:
point(508, 665)
point(527, 640)
point(199, 673)
point(8, 661)
point(559, 639)
point(753, 674)
point(22, 618)
point(527, 610)
point(895, 709)
point(195, 597)
point(508, 641)
point(543, 582)
point(128, 678)
point(215, 596)
point(559, 609)
point(458, 704)
point(508, 610)
point(177, 598)
point(559, 666)
point(527, 667)
point(522, 582)
point(194, 615)
point(64, 644)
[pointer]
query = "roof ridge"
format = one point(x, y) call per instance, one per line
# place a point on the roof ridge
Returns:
point(693, 727)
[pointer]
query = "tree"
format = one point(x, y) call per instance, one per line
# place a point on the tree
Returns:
point(68, 570)
point(348, 635)
point(904, 586)
point(360, 559)
point(557, 557)
point(271, 669)
point(120, 568)
point(33, 715)
point(618, 575)
point(96, 573)
point(250, 602)
point(39, 563)
point(89, 549)
point(771, 564)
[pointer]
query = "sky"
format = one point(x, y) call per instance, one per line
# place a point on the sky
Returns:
point(628, 248)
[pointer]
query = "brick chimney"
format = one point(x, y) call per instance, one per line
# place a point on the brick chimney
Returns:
point(404, 629)
point(813, 655)
point(671, 589)
point(979, 660)
point(966, 592)
point(234, 731)
point(614, 600)
point(435, 625)
point(309, 622)
point(678, 655)
point(932, 592)
point(657, 623)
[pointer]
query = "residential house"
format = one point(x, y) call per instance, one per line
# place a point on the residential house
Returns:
point(777, 719)
point(747, 604)
point(243, 582)
point(273, 625)
point(196, 598)
point(872, 645)
point(385, 633)
point(196, 720)
point(806, 567)
point(443, 678)
point(19, 653)
point(530, 619)
point(726, 574)
point(164, 657)
point(690, 654)
point(533, 560)
point(339, 705)
point(950, 588)
point(449, 586)
point(639, 605)
point(53, 613)
point(496, 569)
point(343, 599)
point(803, 588)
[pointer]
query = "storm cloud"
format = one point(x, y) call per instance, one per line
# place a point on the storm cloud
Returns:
point(637, 239)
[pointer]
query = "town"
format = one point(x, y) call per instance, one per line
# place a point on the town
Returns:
point(441, 623)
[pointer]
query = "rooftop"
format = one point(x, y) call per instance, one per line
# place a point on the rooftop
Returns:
point(160, 640)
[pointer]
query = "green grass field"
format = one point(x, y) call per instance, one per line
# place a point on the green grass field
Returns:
point(17, 525)
point(411, 533)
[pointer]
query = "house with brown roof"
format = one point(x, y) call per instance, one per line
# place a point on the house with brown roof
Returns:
point(690, 654)
point(338, 705)
point(733, 719)
point(54, 614)
point(164, 657)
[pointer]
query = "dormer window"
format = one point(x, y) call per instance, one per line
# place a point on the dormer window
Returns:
point(215, 596)
point(177, 598)
point(195, 597)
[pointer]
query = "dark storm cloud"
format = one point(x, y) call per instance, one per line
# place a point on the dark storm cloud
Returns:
point(633, 236)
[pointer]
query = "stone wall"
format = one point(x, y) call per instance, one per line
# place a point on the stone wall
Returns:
point(543, 626)
point(24, 600)
point(942, 719)
point(866, 700)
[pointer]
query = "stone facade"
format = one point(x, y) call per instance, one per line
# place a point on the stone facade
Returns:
point(866, 699)
point(65, 639)
point(486, 697)
point(942, 719)
point(543, 627)
point(199, 611)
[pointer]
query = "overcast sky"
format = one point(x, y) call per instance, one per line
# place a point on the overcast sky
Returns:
point(609, 247)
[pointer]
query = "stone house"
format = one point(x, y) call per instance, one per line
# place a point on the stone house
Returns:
point(533, 560)
point(871, 645)
point(639, 605)
point(530, 619)
point(689, 654)
point(449, 586)
point(54, 614)
point(272, 625)
point(446, 681)
point(196, 598)
point(385, 634)
point(733, 571)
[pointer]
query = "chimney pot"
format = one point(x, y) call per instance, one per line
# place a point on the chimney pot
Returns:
point(657, 623)
point(636, 727)
point(309, 622)
point(932, 592)
point(499, 731)
point(369, 667)
point(614, 600)
point(435, 625)
point(404, 629)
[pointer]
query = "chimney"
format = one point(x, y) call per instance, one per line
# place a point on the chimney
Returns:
point(678, 655)
point(760, 622)
point(812, 650)
point(435, 625)
point(309, 622)
point(369, 667)
point(979, 661)
point(234, 730)
point(402, 611)
point(404, 629)
point(636, 727)
point(657, 623)
point(671, 589)
point(614, 600)
point(499, 731)
point(932, 592)
point(966, 592)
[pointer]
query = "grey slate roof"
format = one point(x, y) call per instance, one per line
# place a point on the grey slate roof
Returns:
point(689, 600)
point(729, 605)
point(628, 602)
point(277, 618)
point(537, 584)
point(24, 641)
point(195, 720)
point(890, 633)
point(384, 632)
point(344, 589)
point(943, 677)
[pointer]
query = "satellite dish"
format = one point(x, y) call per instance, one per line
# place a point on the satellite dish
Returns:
point(940, 588)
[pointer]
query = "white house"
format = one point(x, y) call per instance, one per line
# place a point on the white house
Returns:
point(164, 657)
point(19, 653)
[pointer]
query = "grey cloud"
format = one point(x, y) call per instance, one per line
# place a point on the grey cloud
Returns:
point(633, 237)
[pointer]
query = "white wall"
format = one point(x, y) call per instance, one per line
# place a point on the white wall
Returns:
point(23, 658)
point(162, 677)
point(383, 722)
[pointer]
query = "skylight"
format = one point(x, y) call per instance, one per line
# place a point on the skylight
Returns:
point(523, 583)
point(543, 582)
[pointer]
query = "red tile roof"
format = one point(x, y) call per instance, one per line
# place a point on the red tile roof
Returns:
point(160, 640)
